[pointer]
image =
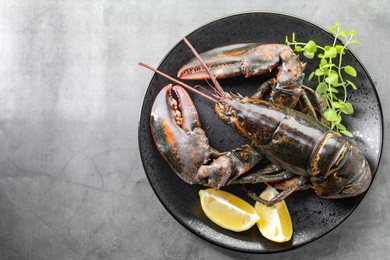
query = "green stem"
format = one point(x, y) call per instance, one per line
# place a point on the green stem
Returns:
point(345, 93)
point(336, 35)
point(304, 44)
point(330, 85)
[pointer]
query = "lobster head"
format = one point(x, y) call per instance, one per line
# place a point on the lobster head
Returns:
point(290, 71)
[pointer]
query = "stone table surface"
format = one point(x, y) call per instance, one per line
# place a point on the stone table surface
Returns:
point(72, 185)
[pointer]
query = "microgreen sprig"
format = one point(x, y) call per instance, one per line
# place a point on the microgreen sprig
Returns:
point(330, 74)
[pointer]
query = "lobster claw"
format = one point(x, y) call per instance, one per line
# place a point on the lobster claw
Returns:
point(223, 62)
point(177, 133)
point(183, 144)
point(248, 59)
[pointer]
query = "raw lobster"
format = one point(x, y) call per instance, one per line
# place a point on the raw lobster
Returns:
point(302, 151)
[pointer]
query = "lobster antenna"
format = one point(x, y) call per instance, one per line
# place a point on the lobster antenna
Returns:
point(213, 79)
point(178, 82)
point(204, 89)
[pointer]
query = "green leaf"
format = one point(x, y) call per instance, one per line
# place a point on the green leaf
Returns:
point(310, 47)
point(337, 24)
point(298, 48)
point(319, 72)
point(328, 66)
point(339, 84)
point(286, 40)
point(350, 71)
point(332, 78)
point(333, 90)
point(326, 70)
point(321, 88)
point(308, 55)
point(355, 41)
point(352, 32)
point(344, 33)
point(351, 84)
point(336, 104)
point(347, 108)
point(311, 75)
point(320, 55)
point(340, 49)
point(339, 104)
point(332, 29)
point(347, 133)
point(341, 127)
point(332, 116)
point(323, 62)
point(331, 53)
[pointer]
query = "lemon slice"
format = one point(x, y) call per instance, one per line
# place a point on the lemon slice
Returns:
point(275, 222)
point(227, 210)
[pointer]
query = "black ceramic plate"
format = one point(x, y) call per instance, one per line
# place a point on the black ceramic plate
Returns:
point(312, 217)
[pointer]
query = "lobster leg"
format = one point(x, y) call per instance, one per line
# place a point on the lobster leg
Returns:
point(298, 184)
point(264, 89)
point(261, 176)
point(321, 106)
point(289, 97)
point(308, 105)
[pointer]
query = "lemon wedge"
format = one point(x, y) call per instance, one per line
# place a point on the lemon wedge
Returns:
point(275, 222)
point(227, 210)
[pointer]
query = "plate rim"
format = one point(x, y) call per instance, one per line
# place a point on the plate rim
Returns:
point(243, 250)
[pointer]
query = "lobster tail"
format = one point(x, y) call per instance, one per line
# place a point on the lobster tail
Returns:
point(346, 174)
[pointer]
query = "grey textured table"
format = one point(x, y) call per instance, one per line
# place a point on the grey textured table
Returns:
point(72, 184)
